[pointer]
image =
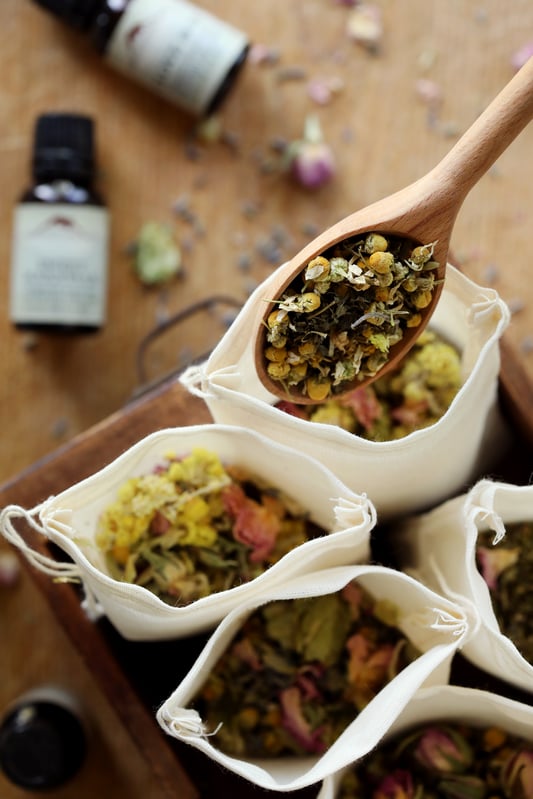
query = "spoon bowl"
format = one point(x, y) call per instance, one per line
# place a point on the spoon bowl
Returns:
point(423, 213)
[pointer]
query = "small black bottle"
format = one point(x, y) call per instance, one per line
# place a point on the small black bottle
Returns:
point(60, 233)
point(43, 740)
point(171, 46)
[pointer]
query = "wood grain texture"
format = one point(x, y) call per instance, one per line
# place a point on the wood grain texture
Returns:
point(243, 215)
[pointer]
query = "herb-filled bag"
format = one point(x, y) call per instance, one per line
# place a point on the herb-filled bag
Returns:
point(291, 687)
point(156, 535)
point(463, 740)
point(477, 549)
point(403, 475)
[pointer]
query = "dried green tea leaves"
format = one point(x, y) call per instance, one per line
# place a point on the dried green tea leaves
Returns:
point(414, 395)
point(507, 568)
point(194, 527)
point(338, 320)
point(444, 760)
point(299, 671)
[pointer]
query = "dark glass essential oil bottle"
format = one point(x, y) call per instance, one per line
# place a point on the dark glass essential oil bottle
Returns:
point(43, 740)
point(60, 234)
point(173, 47)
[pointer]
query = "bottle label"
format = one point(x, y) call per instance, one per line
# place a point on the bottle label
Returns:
point(59, 264)
point(180, 51)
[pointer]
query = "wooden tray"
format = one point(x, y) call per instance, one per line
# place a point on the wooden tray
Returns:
point(137, 677)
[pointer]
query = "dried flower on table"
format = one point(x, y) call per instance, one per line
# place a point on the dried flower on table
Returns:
point(194, 527)
point(444, 760)
point(300, 670)
point(157, 257)
point(364, 26)
point(414, 395)
point(337, 321)
point(522, 55)
point(310, 160)
point(506, 568)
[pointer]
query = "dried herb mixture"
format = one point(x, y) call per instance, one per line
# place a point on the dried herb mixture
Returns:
point(444, 760)
point(507, 568)
point(339, 318)
point(410, 397)
point(299, 671)
point(194, 527)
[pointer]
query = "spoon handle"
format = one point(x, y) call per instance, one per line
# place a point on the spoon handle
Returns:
point(492, 132)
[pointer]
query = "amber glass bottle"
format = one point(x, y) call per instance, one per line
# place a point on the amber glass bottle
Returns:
point(60, 233)
point(173, 47)
point(43, 739)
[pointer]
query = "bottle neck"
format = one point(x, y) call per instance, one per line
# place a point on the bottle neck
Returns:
point(105, 22)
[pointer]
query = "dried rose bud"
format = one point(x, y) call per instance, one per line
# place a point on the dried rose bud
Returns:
point(443, 751)
point(517, 775)
point(522, 55)
point(399, 785)
point(311, 160)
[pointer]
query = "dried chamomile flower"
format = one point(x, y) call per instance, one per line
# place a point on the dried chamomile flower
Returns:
point(194, 526)
point(349, 305)
point(157, 257)
point(413, 395)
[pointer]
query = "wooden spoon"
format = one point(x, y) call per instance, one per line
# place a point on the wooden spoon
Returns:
point(424, 212)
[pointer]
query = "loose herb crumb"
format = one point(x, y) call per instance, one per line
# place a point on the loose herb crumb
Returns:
point(157, 257)
point(338, 319)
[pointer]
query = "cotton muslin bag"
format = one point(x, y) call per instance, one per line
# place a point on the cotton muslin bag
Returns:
point(435, 626)
point(450, 703)
point(413, 473)
point(69, 521)
point(443, 555)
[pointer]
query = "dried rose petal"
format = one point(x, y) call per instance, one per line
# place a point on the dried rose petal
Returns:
point(294, 721)
point(364, 405)
point(367, 667)
point(9, 569)
point(254, 525)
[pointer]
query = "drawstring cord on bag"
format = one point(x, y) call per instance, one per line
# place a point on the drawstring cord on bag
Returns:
point(58, 569)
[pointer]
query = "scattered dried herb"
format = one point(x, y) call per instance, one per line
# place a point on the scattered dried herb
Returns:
point(506, 567)
point(194, 527)
point(338, 319)
point(299, 671)
point(410, 397)
point(157, 257)
point(444, 760)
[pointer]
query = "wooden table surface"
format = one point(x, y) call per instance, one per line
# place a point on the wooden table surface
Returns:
point(234, 216)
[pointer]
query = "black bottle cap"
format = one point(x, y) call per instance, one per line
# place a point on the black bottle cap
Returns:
point(76, 13)
point(42, 745)
point(63, 148)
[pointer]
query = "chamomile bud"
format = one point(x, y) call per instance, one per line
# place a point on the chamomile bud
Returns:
point(381, 262)
point(318, 390)
point(309, 302)
point(277, 371)
point(275, 354)
point(421, 299)
point(375, 242)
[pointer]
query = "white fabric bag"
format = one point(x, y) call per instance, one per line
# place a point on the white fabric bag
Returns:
point(453, 703)
point(405, 475)
point(69, 520)
point(443, 545)
point(434, 625)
